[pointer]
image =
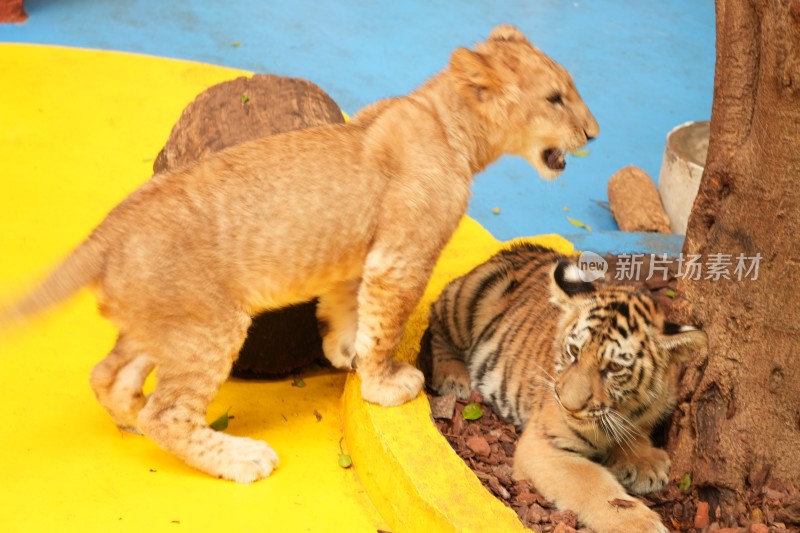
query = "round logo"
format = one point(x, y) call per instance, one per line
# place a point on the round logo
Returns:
point(592, 266)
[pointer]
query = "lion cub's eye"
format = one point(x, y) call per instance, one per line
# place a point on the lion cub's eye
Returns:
point(555, 98)
point(615, 367)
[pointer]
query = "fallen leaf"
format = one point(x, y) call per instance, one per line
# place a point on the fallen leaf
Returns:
point(581, 153)
point(236, 43)
point(345, 461)
point(245, 99)
point(299, 383)
point(496, 210)
point(670, 293)
point(565, 208)
point(685, 483)
point(579, 224)
point(619, 503)
point(472, 411)
point(221, 423)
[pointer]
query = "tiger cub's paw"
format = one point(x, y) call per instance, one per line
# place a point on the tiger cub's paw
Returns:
point(451, 377)
point(647, 471)
point(638, 518)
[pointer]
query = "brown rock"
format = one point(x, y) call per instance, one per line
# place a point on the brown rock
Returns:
point(538, 514)
point(561, 527)
point(568, 518)
point(701, 518)
point(635, 203)
point(527, 498)
point(229, 113)
point(478, 444)
point(504, 474)
point(443, 406)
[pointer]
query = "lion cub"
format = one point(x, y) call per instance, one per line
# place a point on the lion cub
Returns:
point(354, 214)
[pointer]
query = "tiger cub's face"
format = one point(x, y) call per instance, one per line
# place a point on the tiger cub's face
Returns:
point(614, 354)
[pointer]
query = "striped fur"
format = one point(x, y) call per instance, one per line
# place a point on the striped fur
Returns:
point(585, 369)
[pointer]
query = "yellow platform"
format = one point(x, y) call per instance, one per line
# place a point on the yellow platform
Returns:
point(78, 132)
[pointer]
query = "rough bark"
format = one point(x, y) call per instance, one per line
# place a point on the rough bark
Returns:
point(278, 342)
point(737, 426)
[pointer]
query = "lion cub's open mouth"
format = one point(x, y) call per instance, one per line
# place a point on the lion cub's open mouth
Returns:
point(554, 159)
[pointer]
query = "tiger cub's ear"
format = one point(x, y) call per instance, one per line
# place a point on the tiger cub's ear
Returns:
point(681, 341)
point(568, 285)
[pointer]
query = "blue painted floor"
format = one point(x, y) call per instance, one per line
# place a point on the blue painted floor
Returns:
point(642, 66)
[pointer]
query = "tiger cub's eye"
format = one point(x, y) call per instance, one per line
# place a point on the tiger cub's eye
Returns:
point(614, 367)
point(573, 352)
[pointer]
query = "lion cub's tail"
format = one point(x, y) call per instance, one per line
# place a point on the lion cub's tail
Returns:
point(82, 267)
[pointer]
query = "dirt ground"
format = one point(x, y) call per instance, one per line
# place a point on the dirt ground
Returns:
point(487, 446)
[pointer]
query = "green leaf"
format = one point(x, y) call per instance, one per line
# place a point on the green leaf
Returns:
point(345, 461)
point(245, 99)
point(221, 423)
point(472, 411)
point(685, 482)
point(670, 293)
point(236, 44)
point(579, 224)
point(581, 153)
point(298, 382)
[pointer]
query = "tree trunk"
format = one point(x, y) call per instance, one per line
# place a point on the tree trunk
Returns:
point(737, 425)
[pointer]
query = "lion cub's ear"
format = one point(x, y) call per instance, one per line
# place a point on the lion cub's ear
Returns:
point(473, 71)
point(507, 32)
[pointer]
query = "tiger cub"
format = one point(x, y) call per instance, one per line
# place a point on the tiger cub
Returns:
point(584, 370)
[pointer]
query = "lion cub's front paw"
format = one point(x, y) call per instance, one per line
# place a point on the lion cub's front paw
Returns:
point(645, 472)
point(240, 459)
point(401, 384)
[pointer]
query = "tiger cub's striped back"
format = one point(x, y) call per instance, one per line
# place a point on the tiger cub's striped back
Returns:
point(490, 328)
point(585, 368)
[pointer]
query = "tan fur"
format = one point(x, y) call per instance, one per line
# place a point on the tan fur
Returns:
point(354, 214)
point(585, 370)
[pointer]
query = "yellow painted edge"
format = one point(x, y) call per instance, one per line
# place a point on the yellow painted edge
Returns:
point(410, 472)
